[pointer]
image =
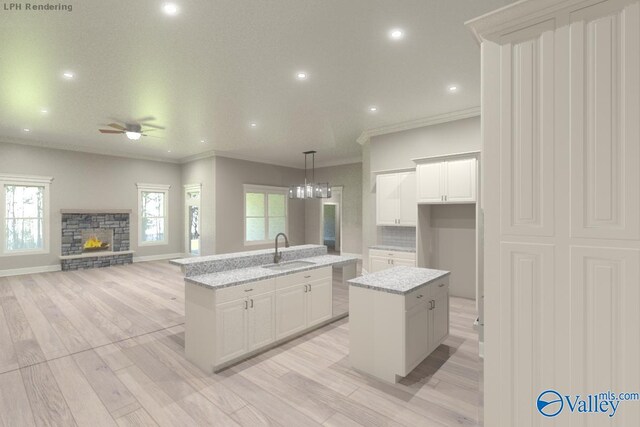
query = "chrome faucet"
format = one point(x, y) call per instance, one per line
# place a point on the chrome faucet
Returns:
point(278, 256)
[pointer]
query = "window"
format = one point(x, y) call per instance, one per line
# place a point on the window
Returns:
point(153, 200)
point(265, 213)
point(25, 214)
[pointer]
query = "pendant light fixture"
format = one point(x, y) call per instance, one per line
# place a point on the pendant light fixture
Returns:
point(310, 189)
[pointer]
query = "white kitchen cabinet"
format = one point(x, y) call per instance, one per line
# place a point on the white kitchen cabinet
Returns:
point(396, 199)
point(291, 317)
point(381, 260)
point(417, 333)
point(438, 317)
point(449, 181)
point(261, 322)
point(319, 301)
point(231, 329)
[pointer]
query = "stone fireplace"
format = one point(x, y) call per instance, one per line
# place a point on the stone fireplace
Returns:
point(93, 239)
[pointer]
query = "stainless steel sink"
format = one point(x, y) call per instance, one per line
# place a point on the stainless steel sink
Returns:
point(288, 265)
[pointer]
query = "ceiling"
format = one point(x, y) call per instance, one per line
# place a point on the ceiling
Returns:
point(217, 66)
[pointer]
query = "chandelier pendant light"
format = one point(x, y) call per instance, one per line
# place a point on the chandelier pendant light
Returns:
point(310, 189)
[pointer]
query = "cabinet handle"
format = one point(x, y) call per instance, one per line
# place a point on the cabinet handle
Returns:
point(441, 285)
point(248, 290)
point(309, 288)
point(251, 303)
point(305, 288)
point(419, 296)
point(306, 277)
point(246, 304)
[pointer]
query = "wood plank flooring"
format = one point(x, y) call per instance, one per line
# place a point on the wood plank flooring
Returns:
point(106, 347)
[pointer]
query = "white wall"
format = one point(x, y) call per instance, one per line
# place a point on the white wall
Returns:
point(91, 181)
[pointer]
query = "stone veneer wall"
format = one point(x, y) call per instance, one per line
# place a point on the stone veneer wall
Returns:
point(72, 226)
point(74, 223)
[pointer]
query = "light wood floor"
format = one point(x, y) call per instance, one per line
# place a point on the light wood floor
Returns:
point(106, 347)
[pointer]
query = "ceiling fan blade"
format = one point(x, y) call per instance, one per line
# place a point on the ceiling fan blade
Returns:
point(117, 126)
point(110, 131)
point(152, 136)
point(145, 119)
point(149, 125)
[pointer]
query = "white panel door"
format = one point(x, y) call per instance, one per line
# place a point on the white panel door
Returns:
point(387, 199)
point(460, 181)
point(262, 320)
point(430, 182)
point(408, 204)
point(417, 334)
point(378, 264)
point(291, 310)
point(231, 330)
point(319, 301)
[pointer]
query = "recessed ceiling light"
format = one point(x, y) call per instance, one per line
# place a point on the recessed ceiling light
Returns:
point(202, 140)
point(453, 88)
point(253, 125)
point(26, 130)
point(373, 109)
point(396, 34)
point(170, 8)
point(301, 75)
point(168, 151)
point(44, 110)
point(68, 75)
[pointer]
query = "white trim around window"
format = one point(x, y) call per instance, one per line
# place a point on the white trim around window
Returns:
point(26, 181)
point(266, 190)
point(154, 188)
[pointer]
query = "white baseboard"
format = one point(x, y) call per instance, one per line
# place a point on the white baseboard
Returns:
point(161, 257)
point(30, 270)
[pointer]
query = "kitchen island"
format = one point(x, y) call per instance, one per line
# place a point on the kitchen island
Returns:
point(397, 317)
point(238, 305)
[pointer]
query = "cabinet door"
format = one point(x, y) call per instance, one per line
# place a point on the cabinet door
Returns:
point(440, 319)
point(408, 204)
point(319, 301)
point(387, 199)
point(231, 330)
point(430, 182)
point(416, 335)
point(291, 310)
point(461, 181)
point(262, 320)
point(378, 264)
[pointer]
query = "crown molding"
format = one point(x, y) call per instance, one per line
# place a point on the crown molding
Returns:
point(418, 123)
point(508, 18)
point(83, 149)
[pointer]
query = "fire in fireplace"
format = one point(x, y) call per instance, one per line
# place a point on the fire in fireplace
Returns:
point(96, 240)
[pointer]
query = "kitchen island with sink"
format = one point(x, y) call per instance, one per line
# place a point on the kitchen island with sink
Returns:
point(238, 305)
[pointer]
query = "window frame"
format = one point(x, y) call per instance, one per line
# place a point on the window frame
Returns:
point(26, 181)
point(153, 188)
point(266, 190)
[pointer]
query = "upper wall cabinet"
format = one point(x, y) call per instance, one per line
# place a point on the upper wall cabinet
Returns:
point(396, 199)
point(447, 181)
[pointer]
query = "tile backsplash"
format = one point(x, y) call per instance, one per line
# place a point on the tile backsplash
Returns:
point(397, 236)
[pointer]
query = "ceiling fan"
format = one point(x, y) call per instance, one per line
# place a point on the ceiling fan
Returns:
point(132, 129)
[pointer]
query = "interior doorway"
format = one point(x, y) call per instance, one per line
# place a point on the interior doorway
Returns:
point(331, 221)
point(192, 196)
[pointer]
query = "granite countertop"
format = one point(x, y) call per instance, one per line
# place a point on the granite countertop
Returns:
point(393, 248)
point(229, 278)
point(398, 280)
point(235, 255)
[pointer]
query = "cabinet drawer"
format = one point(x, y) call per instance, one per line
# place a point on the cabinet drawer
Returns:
point(392, 254)
point(416, 297)
point(247, 289)
point(302, 277)
point(438, 287)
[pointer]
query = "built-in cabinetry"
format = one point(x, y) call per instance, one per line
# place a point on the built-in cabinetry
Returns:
point(389, 341)
point(226, 324)
point(446, 180)
point(561, 167)
point(381, 260)
point(396, 199)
